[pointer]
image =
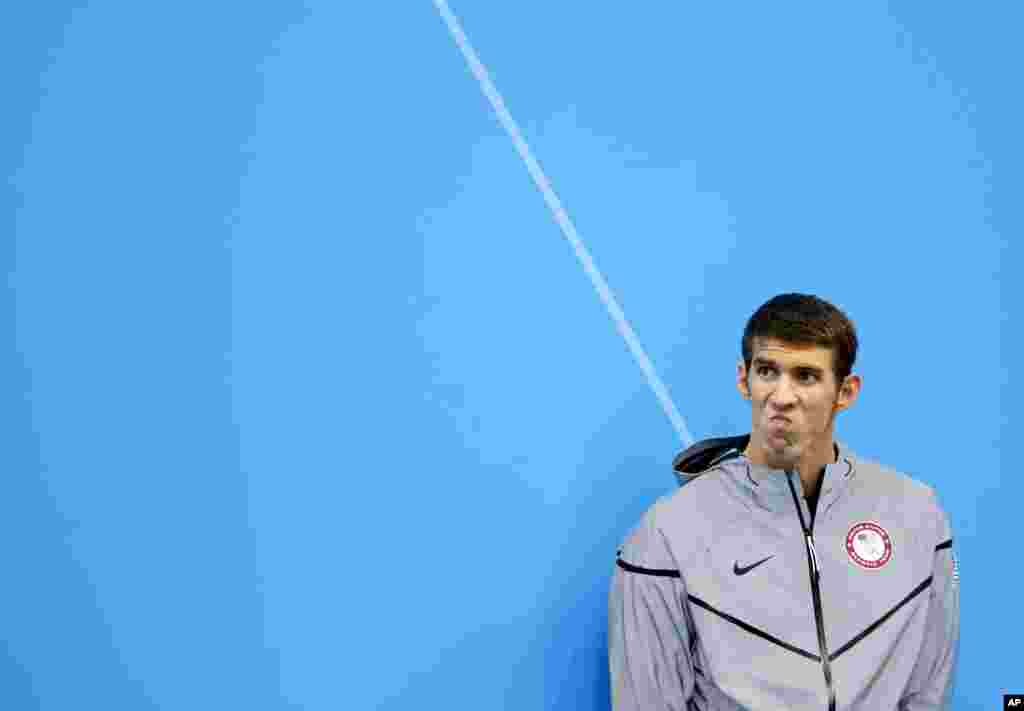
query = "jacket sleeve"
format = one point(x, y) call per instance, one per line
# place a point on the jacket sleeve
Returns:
point(931, 682)
point(649, 630)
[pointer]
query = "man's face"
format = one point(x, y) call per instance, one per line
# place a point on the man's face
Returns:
point(794, 399)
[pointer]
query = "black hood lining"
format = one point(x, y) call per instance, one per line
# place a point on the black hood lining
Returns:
point(702, 455)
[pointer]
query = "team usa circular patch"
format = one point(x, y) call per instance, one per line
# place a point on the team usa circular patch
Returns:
point(869, 545)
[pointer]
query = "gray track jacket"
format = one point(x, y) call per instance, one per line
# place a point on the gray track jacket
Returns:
point(732, 594)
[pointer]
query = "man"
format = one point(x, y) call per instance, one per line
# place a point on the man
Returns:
point(788, 573)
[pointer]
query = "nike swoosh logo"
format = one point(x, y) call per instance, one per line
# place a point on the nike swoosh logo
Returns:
point(743, 571)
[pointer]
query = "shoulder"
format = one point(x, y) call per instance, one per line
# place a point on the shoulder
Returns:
point(675, 523)
point(883, 479)
point(918, 500)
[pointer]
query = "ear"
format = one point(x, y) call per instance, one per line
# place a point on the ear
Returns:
point(741, 380)
point(849, 391)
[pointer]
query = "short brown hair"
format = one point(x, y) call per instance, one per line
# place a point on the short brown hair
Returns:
point(804, 320)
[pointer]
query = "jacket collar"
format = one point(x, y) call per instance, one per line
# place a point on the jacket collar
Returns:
point(769, 487)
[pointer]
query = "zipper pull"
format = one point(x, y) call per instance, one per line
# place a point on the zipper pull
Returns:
point(814, 556)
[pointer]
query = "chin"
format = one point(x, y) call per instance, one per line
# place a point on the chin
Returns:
point(785, 458)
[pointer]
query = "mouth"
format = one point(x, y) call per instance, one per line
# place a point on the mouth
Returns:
point(780, 431)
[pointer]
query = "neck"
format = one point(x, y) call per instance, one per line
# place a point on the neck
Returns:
point(811, 465)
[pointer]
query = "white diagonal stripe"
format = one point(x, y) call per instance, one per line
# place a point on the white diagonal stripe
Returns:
point(562, 218)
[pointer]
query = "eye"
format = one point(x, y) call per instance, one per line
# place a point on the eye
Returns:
point(809, 376)
point(762, 368)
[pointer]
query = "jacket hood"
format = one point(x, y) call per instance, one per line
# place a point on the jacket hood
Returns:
point(702, 455)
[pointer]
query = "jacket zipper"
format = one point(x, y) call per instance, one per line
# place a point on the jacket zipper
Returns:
point(819, 618)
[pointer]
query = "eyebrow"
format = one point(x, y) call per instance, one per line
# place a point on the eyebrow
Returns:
point(759, 361)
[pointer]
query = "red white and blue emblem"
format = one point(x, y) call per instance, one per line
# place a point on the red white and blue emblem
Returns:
point(869, 545)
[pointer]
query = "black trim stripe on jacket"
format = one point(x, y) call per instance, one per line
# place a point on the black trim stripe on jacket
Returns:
point(647, 571)
point(878, 623)
point(775, 640)
point(753, 630)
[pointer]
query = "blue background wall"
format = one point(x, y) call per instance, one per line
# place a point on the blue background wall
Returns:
point(308, 403)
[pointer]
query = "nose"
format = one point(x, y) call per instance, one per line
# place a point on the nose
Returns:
point(783, 395)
